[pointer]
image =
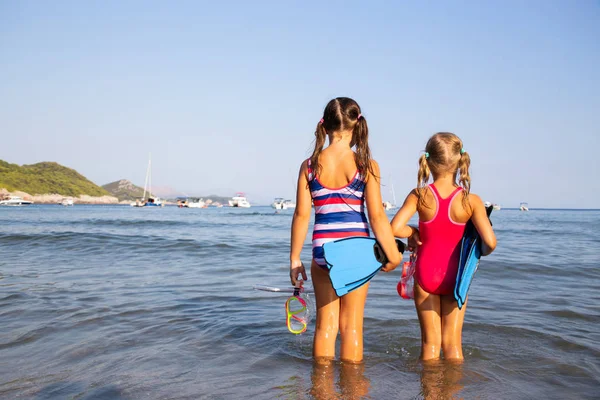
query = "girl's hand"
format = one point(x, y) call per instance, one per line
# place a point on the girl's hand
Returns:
point(296, 270)
point(389, 267)
point(414, 240)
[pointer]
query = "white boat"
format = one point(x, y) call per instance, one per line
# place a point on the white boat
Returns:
point(524, 207)
point(138, 203)
point(15, 201)
point(151, 201)
point(67, 201)
point(494, 206)
point(390, 206)
point(239, 200)
point(280, 204)
point(194, 202)
point(497, 207)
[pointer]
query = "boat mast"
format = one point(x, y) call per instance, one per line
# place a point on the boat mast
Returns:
point(146, 181)
point(149, 176)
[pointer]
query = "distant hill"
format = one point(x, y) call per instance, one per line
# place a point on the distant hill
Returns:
point(46, 177)
point(124, 190)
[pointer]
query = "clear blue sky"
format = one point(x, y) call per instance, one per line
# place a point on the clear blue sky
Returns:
point(226, 95)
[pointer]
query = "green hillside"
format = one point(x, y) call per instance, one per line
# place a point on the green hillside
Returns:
point(45, 178)
point(124, 190)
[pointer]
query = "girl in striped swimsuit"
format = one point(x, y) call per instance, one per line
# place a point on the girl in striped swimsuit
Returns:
point(339, 181)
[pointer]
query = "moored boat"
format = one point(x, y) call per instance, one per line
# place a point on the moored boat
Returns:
point(15, 201)
point(239, 200)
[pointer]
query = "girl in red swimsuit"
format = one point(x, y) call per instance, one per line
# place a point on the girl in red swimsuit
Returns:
point(444, 207)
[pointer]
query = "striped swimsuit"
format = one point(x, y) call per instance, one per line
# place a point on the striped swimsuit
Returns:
point(339, 212)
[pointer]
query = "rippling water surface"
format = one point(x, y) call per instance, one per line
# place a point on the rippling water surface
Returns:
point(122, 303)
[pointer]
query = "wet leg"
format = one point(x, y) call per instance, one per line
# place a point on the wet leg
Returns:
point(428, 310)
point(452, 325)
point(328, 311)
point(352, 312)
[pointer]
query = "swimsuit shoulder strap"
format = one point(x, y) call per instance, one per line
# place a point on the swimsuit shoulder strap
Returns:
point(310, 171)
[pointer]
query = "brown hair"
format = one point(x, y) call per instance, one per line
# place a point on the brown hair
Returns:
point(343, 114)
point(444, 152)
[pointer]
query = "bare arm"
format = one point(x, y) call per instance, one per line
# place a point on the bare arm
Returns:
point(300, 225)
point(400, 221)
point(379, 221)
point(482, 224)
point(408, 209)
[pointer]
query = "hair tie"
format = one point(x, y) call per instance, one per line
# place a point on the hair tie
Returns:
point(426, 155)
point(321, 121)
point(463, 151)
point(359, 115)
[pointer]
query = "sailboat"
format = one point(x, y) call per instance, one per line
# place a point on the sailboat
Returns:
point(390, 206)
point(151, 201)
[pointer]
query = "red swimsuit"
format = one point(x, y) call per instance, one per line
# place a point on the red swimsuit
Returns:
point(437, 261)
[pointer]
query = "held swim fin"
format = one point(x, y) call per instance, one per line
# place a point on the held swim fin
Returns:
point(470, 254)
point(354, 261)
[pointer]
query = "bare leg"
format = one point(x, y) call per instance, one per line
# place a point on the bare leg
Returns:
point(428, 310)
point(352, 312)
point(328, 314)
point(452, 324)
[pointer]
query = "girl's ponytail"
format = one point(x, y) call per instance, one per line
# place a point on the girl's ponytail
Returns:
point(360, 139)
point(464, 178)
point(422, 179)
point(320, 136)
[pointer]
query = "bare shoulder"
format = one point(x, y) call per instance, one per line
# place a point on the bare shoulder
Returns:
point(373, 171)
point(475, 201)
point(304, 165)
point(375, 166)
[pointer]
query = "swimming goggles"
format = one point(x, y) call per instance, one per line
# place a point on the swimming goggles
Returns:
point(297, 311)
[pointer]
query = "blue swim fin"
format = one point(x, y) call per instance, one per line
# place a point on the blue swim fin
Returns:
point(354, 261)
point(470, 254)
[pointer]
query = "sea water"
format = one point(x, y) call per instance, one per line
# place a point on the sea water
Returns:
point(157, 303)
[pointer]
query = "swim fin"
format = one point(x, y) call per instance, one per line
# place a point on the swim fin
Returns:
point(354, 261)
point(470, 254)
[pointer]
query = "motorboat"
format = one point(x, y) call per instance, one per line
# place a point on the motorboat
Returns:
point(524, 207)
point(15, 201)
point(194, 202)
point(67, 201)
point(239, 200)
point(280, 204)
point(497, 207)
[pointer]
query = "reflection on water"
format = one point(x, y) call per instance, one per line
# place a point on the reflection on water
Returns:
point(331, 380)
point(441, 379)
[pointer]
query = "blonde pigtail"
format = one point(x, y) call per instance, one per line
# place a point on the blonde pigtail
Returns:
point(422, 179)
point(464, 178)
